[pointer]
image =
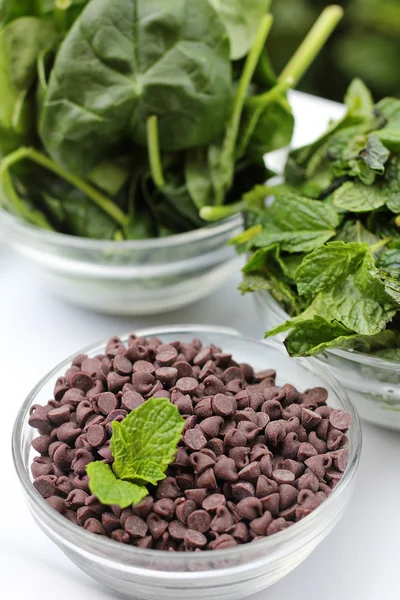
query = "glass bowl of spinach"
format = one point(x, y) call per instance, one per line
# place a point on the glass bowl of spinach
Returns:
point(131, 277)
point(324, 253)
point(121, 122)
point(228, 574)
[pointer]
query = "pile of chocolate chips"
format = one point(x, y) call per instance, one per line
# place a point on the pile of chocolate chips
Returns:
point(254, 458)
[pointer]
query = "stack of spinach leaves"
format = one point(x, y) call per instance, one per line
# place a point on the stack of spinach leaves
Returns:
point(122, 119)
point(328, 247)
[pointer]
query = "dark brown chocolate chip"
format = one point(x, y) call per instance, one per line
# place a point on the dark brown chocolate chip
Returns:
point(201, 462)
point(222, 521)
point(250, 508)
point(199, 520)
point(207, 480)
point(96, 436)
point(243, 489)
point(195, 539)
point(222, 405)
point(122, 365)
point(157, 526)
point(260, 525)
point(144, 366)
point(143, 382)
point(212, 502)
point(187, 385)
point(136, 527)
point(213, 385)
point(144, 508)
point(131, 400)
point(107, 402)
point(195, 439)
point(184, 509)
point(283, 476)
point(211, 426)
point(45, 485)
point(167, 375)
point(340, 419)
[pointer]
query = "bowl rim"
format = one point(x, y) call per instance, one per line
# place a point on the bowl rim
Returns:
point(63, 239)
point(351, 355)
point(128, 552)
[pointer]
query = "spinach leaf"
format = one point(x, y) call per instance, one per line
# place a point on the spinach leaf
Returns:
point(375, 154)
point(354, 196)
point(273, 129)
point(21, 42)
point(241, 22)
point(327, 265)
point(138, 60)
point(197, 177)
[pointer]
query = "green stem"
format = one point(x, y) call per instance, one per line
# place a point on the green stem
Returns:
point(60, 14)
point(225, 162)
point(90, 192)
point(154, 152)
point(211, 214)
point(381, 244)
point(312, 44)
point(245, 80)
point(271, 95)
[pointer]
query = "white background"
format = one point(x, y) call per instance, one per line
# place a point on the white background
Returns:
point(360, 559)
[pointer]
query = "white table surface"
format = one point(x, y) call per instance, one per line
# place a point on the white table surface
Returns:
point(360, 559)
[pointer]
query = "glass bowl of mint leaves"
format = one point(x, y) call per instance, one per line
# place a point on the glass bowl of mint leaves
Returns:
point(123, 123)
point(324, 253)
point(148, 573)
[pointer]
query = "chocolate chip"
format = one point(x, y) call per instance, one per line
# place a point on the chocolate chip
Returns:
point(165, 508)
point(81, 381)
point(187, 385)
point(168, 488)
point(265, 486)
point(277, 525)
point(283, 476)
point(260, 525)
point(213, 385)
point(251, 472)
point(222, 405)
point(122, 365)
point(195, 439)
point(287, 496)
point(94, 526)
point(136, 527)
point(243, 489)
point(185, 508)
point(142, 382)
point(234, 437)
point(107, 402)
point(207, 480)
point(222, 521)
point(340, 419)
point(240, 455)
point(167, 375)
point(157, 526)
point(131, 400)
point(201, 462)
point(45, 485)
point(250, 508)
point(271, 503)
point(194, 539)
point(217, 446)
point(144, 508)
point(211, 426)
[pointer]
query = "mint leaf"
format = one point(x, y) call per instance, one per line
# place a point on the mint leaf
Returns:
point(358, 100)
point(297, 224)
point(390, 261)
point(315, 335)
point(389, 108)
point(109, 490)
point(354, 196)
point(150, 432)
point(146, 471)
point(354, 231)
point(375, 154)
point(391, 184)
point(328, 264)
point(291, 212)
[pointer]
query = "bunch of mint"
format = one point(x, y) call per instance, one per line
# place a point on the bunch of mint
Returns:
point(142, 445)
point(328, 247)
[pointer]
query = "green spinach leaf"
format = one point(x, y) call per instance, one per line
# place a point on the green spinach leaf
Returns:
point(241, 22)
point(21, 42)
point(354, 196)
point(138, 61)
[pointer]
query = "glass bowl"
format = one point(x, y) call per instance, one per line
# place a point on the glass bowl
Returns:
point(372, 383)
point(213, 575)
point(138, 277)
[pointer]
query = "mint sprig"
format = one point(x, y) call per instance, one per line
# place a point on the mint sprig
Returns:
point(142, 445)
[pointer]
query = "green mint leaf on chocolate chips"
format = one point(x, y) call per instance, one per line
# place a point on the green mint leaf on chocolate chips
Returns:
point(150, 432)
point(110, 490)
point(142, 445)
